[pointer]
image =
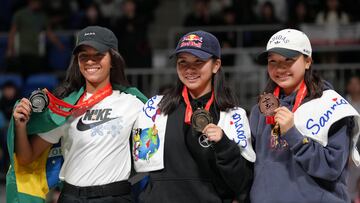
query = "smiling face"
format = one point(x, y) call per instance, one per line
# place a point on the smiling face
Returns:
point(195, 73)
point(95, 67)
point(287, 72)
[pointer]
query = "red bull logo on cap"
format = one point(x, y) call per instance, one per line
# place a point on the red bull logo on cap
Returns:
point(191, 40)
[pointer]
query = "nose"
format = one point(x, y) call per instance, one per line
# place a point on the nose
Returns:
point(90, 61)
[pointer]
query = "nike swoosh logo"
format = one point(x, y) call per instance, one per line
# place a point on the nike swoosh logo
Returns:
point(83, 126)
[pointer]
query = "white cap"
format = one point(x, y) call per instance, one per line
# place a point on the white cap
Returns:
point(289, 43)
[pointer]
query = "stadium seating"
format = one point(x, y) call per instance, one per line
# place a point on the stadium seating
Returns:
point(41, 80)
point(12, 77)
point(59, 59)
point(3, 47)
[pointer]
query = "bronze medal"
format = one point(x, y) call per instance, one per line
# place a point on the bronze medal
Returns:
point(39, 101)
point(200, 119)
point(268, 103)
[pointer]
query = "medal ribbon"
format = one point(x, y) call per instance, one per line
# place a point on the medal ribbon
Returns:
point(55, 103)
point(189, 111)
point(300, 95)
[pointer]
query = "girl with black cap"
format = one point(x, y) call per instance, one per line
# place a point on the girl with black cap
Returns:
point(306, 133)
point(95, 133)
point(194, 140)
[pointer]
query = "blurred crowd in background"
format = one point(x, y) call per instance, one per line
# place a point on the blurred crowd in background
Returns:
point(24, 60)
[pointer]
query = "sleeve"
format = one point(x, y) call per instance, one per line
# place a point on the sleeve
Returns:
point(322, 162)
point(139, 106)
point(234, 168)
point(53, 136)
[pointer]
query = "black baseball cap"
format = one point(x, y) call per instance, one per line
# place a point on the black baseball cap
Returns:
point(199, 43)
point(100, 38)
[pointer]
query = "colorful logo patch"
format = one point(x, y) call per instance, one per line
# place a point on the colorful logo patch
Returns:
point(146, 142)
point(191, 40)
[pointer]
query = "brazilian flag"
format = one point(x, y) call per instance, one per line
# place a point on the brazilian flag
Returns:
point(32, 182)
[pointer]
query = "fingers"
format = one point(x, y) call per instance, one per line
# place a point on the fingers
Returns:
point(282, 114)
point(22, 110)
point(213, 132)
point(285, 118)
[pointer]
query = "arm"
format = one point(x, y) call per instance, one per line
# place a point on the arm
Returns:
point(323, 162)
point(26, 150)
point(234, 168)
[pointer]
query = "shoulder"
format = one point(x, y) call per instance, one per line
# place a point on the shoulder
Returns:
point(238, 109)
point(255, 109)
point(127, 98)
point(154, 100)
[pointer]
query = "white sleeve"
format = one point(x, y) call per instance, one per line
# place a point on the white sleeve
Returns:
point(53, 136)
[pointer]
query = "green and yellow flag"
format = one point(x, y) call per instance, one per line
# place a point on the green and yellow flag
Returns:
point(31, 183)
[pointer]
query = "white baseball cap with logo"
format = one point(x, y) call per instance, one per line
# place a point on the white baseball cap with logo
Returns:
point(288, 43)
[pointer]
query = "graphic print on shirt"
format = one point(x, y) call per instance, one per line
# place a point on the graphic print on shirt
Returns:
point(276, 141)
point(100, 122)
point(146, 143)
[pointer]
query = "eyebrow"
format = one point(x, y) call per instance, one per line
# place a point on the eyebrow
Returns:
point(88, 54)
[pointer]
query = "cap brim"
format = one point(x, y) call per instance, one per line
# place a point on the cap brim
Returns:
point(96, 45)
point(287, 53)
point(198, 53)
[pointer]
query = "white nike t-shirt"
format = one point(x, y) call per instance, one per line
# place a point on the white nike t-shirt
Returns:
point(96, 145)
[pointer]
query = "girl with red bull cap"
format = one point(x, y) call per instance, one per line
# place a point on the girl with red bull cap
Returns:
point(194, 140)
point(305, 160)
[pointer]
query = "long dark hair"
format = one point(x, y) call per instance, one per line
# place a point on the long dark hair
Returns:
point(313, 82)
point(74, 80)
point(224, 98)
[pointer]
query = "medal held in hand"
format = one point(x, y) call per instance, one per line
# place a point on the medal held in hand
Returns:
point(39, 101)
point(200, 119)
point(267, 104)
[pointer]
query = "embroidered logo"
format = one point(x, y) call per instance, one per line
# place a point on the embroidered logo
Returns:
point(191, 40)
point(279, 39)
point(89, 33)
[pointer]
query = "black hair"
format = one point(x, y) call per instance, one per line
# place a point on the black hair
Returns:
point(313, 82)
point(74, 80)
point(224, 98)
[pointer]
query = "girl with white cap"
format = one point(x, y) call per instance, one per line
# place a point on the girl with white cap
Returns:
point(303, 141)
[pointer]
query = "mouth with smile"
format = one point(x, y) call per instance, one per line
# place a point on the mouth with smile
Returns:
point(192, 78)
point(92, 69)
point(283, 77)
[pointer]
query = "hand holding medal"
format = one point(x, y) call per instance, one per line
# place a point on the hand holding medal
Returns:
point(41, 99)
point(201, 121)
point(269, 106)
point(37, 102)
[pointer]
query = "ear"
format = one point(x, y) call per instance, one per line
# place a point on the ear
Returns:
point(217, 65)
